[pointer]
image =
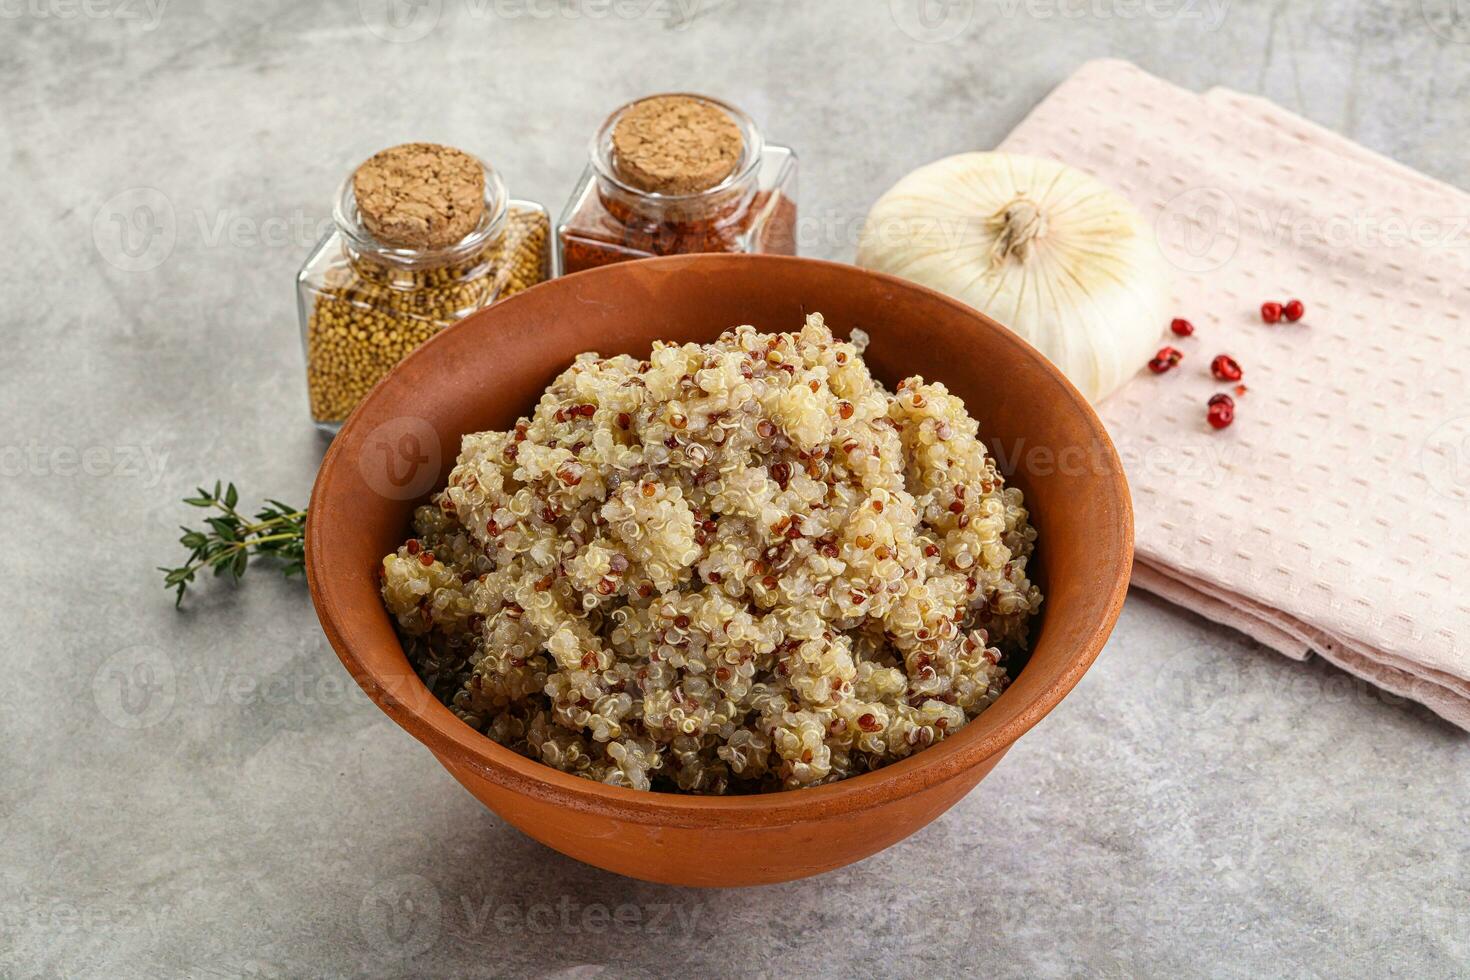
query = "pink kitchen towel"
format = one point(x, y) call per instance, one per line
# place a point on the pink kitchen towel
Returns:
point(1333, 517)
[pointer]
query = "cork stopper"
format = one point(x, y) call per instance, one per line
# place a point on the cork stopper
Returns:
point(420, 195)
point(675, 144)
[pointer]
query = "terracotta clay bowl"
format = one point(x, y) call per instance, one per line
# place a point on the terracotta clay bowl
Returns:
point(488, 370)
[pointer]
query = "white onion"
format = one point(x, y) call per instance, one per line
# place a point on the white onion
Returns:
point(1043, 248)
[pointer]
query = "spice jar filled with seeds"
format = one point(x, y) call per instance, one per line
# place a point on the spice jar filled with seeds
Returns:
point(679, 173)
point(425, 236)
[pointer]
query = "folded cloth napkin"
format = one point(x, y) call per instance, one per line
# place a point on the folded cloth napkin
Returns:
point(1334, 515)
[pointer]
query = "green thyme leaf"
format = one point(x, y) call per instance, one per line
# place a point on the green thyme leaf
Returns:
point(278, 533)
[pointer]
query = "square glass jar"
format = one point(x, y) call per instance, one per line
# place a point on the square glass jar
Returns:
point(607, 219)
point(364, 305)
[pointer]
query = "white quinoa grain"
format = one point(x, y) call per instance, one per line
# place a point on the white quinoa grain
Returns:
point(732, 567)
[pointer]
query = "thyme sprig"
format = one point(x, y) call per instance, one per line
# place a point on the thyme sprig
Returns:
point(230, 539)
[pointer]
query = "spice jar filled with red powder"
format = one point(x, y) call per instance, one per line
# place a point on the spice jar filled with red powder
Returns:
point(674, 174)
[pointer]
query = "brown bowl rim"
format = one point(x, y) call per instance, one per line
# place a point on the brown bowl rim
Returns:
point(456, 743)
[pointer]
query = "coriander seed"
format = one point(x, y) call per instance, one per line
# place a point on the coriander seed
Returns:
point(425, 236)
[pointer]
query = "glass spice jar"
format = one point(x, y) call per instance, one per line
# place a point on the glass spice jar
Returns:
point(674, 174)
point(433, 238)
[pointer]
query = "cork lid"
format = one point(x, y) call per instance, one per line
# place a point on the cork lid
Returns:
point(420, 195)
point(676, 144)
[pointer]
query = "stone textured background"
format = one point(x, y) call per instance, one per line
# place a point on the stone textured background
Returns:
point(202, 793)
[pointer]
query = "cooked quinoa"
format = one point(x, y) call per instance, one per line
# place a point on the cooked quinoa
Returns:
point(733, 567)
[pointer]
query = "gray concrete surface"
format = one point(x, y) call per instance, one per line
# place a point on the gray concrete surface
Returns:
point(202, 794)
